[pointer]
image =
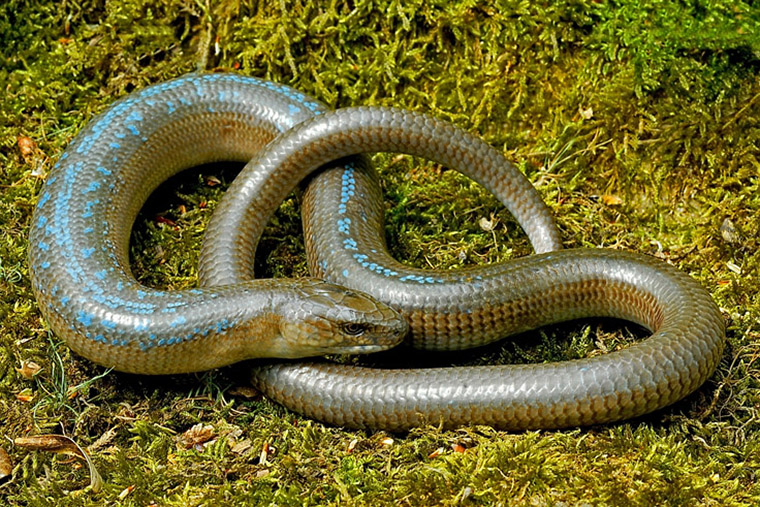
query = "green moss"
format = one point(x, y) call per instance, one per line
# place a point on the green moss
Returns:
point(654, 102)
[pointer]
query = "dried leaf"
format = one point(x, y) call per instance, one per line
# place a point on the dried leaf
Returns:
point(246, 392)
point(25, 396)
point(126, 491)
point(32, 155)
point(212, 181)
point(266, 451)
point(458, 448)
point(29, 369)
point(352, 445)
point(587, 114)
point(242, 447)
point(436, 453)
point(163, 220)
point(198, 434)
point(234, 432)
point(6, 467)
point(729, 233)
point(262, 473)
point(27, 147)
point(62, 445)
point(612, 200)
point(387, 441)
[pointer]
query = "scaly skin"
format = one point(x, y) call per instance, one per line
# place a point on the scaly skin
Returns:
point(80, 274)
point(78, 253)
point(456, 309)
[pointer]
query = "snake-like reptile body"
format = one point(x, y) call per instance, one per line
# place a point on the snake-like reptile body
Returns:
point(445, 310)
point(450, 310)
point(78, 244)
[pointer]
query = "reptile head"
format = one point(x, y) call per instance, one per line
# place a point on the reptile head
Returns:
point(329, 319)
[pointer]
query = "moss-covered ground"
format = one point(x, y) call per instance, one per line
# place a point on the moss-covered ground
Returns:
point(638, 121)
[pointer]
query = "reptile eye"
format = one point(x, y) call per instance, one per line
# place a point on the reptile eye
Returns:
point(354, 329)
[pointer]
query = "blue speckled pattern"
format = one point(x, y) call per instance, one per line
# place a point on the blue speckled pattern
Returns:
point(78, 242)
point(342, 211)
point(80, 271)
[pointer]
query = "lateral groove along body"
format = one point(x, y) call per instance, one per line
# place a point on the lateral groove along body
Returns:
point(456, 309)
point(78, 251)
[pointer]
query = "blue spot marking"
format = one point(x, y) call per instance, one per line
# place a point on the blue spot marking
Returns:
point(345, 273)
point(100, 275)
point(178, 321)
point(87, 252)
point(344, 225)
point(43, 246)
point(85, 318)
point(222, 325)
point(45, 265)
point(65, 300)
point(108, 323)
point(134, 116)
point(125, 115)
